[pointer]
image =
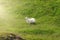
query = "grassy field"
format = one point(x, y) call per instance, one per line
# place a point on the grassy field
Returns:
point(46, 12)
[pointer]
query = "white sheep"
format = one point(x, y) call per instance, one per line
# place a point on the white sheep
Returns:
point(30, 20)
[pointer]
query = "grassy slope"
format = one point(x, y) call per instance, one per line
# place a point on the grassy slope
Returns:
point(46, 13)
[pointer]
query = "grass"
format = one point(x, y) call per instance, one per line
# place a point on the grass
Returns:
point(46, 12)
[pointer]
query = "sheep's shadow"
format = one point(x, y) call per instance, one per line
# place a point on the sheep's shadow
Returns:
point(32, 24)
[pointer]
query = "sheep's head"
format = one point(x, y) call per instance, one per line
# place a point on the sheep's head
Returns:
point(26, 17)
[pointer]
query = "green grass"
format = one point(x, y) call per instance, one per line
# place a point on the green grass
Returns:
point(46, 12)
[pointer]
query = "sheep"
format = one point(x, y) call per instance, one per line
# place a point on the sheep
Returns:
point(30, 20)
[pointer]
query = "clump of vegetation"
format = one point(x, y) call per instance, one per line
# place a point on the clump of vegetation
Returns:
point(10, 36)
